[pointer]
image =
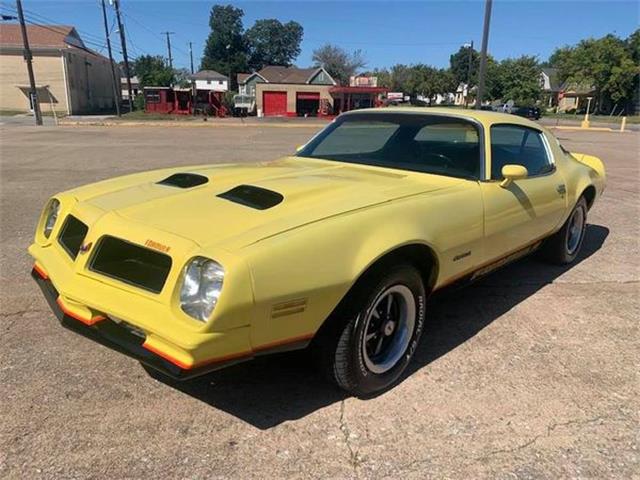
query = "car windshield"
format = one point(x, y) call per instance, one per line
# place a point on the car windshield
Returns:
point(423, 143)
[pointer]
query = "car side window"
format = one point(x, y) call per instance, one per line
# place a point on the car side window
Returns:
point(516, 145)
point(454, 145)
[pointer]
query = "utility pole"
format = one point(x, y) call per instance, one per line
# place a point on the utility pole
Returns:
point(191, 56)
point(169, 47)
point(123, 42)
point(33, 93)
point(466, 100)
point(116, 81)
point(483, 53)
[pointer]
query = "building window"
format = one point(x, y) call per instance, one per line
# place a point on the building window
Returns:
point(220, 82)
point(152, 97)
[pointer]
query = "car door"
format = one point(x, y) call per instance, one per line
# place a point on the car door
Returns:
point(526, 210)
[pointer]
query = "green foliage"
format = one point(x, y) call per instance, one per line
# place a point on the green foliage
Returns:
point(230, 50)
point(633, 46)
point(608, 65)
point(416, 79)
point(459, 65)
point(226, 49)
point(182, 78)
point(273, 43)
point(338, 62)
point(516, 79)
point(138, 102)
point(152, 71)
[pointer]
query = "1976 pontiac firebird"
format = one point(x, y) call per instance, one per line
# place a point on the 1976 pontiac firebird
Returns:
point(337, 247)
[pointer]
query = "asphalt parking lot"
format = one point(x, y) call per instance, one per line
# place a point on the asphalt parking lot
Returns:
point(530, 373)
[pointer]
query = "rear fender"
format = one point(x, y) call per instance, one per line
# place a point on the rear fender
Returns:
point(597, 174)
point(591, 161)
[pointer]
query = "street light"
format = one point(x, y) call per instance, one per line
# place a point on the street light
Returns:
point(585, 122)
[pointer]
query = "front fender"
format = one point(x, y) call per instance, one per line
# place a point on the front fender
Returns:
point(301, 275)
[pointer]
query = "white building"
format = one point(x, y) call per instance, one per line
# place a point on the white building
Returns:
point(135, 87)
point(211, 80)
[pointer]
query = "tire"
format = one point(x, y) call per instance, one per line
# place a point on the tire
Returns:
point(373, 339)
point(564, 246)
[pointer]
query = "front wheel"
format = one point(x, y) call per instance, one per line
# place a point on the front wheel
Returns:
point(373, 346)
point(563, 246)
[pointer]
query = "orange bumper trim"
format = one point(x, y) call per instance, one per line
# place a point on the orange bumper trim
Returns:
point(39, 270)
point(86, 321)
point(226, 358)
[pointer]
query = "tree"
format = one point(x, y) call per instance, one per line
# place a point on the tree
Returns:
point(633, 46)
point(226, 49)
point(383, 75)
point(423, 80)
point(273, 43)
point(459, 63)
point(338, 62)
point(153, 71)
point(518, 79)
point(182, 78)
point(605, 64)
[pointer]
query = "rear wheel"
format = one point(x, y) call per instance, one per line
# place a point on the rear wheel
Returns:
point(563, 247)
point(371, 346)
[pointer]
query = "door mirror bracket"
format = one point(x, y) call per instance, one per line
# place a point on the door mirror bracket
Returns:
point(510, 173)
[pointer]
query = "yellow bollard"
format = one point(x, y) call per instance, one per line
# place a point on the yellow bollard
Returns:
point(623, 124)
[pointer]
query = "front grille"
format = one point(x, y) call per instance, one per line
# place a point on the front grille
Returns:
point(72, 235)
point(131, 264)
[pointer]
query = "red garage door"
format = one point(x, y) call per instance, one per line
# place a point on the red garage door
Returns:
point(275, 103)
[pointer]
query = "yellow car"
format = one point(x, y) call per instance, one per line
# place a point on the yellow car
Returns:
point(337, 247)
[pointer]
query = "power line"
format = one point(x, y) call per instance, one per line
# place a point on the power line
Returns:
point(156, 34)
point(52, 28)
point(37, 18)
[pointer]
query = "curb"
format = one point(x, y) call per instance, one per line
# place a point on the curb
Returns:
point(592, 129)
point(188, 124)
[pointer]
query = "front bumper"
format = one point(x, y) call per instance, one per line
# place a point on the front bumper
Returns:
point(119, 337)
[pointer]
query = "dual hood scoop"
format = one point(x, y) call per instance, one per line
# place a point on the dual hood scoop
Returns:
point(253, 197)
point(247, 195)
point(184, 180)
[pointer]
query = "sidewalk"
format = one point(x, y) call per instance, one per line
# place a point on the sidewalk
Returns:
point(595, 125)
point(187, 121)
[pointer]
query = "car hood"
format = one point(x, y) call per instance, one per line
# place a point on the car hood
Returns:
point(312, 189)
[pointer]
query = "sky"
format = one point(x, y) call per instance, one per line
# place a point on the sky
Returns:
point(387, 32)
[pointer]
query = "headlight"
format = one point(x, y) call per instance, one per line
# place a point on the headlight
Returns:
point(51, 217)
point(201, 286)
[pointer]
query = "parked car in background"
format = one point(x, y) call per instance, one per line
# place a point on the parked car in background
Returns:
point(532, 113)
point(336, 247)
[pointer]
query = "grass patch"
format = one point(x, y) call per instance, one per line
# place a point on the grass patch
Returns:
point(140, 115)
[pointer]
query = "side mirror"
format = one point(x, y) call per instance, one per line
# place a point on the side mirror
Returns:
point(510, 173)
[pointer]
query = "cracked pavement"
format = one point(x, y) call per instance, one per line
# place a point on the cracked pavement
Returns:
point(530, 373)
